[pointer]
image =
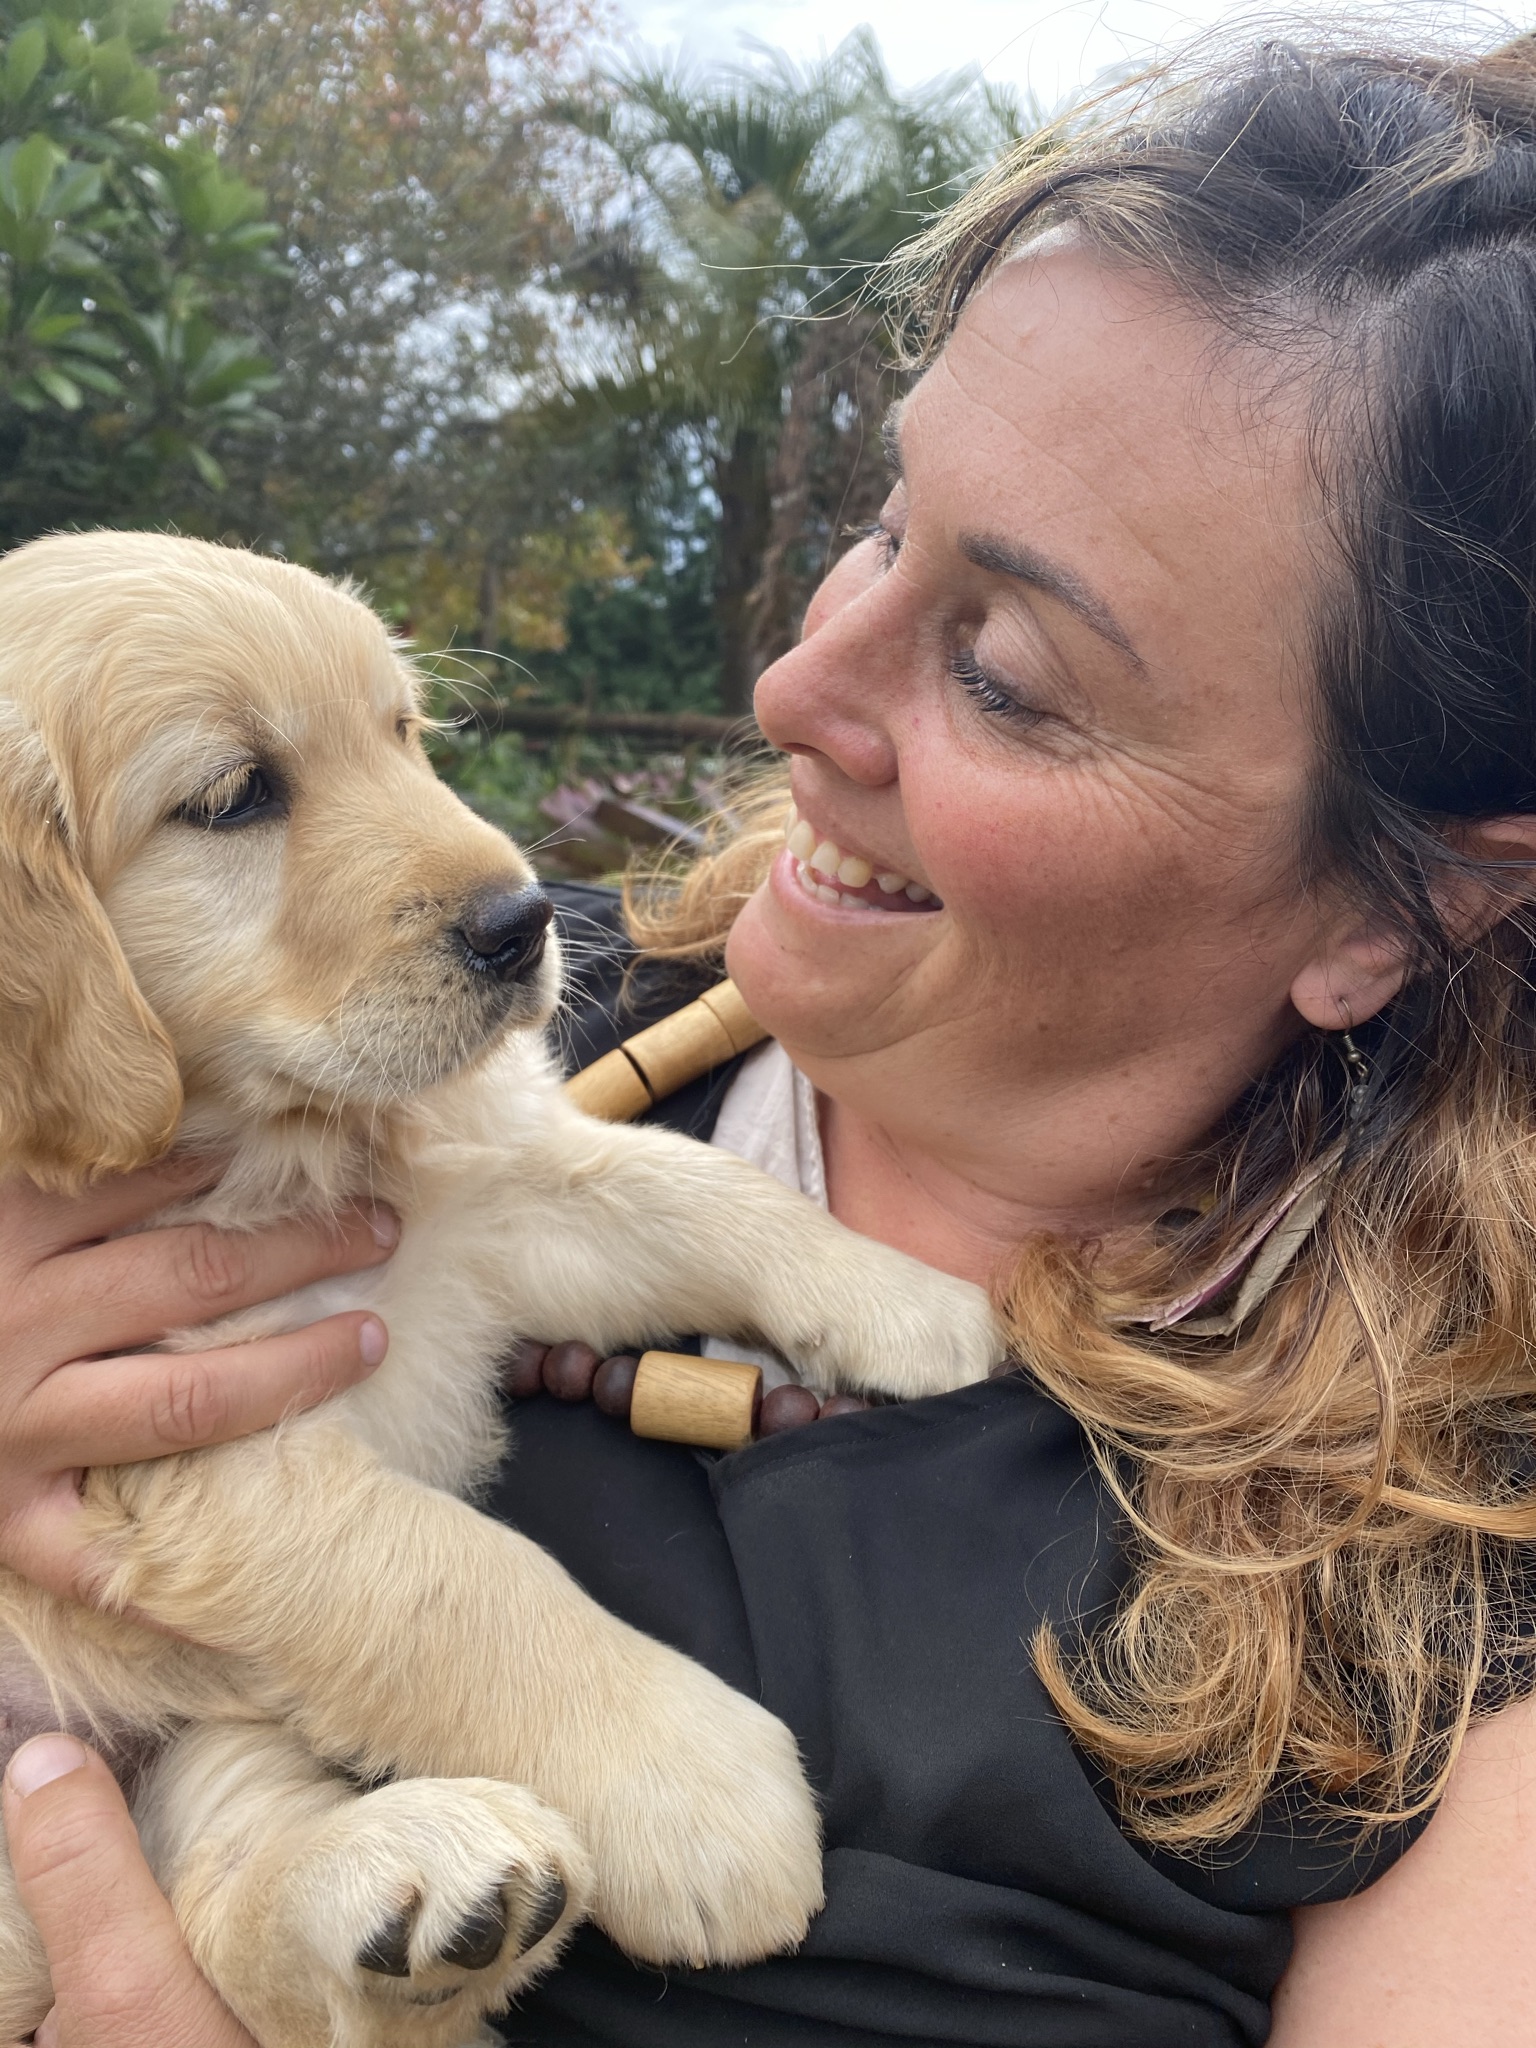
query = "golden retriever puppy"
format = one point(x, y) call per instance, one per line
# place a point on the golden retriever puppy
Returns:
point(387, 1752)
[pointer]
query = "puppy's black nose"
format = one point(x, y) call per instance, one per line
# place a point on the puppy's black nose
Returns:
point(504, 933)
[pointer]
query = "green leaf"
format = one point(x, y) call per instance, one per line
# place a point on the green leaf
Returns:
point(93, 376)
point(207, 468)
point(75, 187)
point(92, 341)
point(26, 172)
point(64, 391)
point(44, 328)
point(72, 257)
point(225, 366)
point(25, 55)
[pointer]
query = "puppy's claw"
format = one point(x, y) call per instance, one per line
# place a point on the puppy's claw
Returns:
point(547, 1909)
point(388, 1953)
point(478, 1938)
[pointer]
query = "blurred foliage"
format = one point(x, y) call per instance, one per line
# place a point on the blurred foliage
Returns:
point(759, 201)
point(395, 143)
point(122, 372)
point(580, 806)
point(577, 370)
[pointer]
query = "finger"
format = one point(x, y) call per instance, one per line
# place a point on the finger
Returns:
point(118, 1296)
point(47, 1223)
point(122, 1974)
point(120, 1411)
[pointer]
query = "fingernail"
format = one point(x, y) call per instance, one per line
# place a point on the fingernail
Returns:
point(372, 1341)
point(384, 1224)
point(44, 1758)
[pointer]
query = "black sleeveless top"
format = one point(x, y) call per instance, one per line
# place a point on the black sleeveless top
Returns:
point(875, 1581)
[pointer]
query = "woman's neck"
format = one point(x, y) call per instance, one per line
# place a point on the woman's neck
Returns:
point(966, 1204)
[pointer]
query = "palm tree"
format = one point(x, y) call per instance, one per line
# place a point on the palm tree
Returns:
point(760, 200)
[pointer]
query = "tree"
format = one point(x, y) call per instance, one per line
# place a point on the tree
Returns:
point(762, 199)
point(121, 375)
point(394, 143)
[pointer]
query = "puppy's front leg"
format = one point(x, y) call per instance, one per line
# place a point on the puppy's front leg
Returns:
point(400, 1633)
point(393, 1918)
point(634, 1233)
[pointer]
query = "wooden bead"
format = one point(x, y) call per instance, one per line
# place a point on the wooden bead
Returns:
point(613, 1384)
point(569, 1370)
point(523, 1373)
point(787, 1408)
point(611, 1088)
point(657, 1062)
point(707, 1401)
point(842, 1404)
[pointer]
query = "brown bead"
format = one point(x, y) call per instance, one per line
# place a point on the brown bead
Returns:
point(842, 1404)
point(613, 1384)
point(523, 1373)
point(787, 1408)
point(569, 1370)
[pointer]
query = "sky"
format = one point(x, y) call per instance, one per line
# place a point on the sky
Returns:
point(1047, 47)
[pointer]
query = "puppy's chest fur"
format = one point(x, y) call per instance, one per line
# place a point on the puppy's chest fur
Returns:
point(456, 1172)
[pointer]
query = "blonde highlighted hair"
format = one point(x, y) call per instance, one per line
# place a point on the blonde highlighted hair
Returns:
point(1331, 1510)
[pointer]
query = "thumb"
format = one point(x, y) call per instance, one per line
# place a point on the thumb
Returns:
point(122, 1975)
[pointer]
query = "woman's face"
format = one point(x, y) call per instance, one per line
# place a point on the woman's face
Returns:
point(1062, 692)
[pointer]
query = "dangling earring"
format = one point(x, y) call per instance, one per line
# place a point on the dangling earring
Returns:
point(1270, 1247)
point(1358, 1068)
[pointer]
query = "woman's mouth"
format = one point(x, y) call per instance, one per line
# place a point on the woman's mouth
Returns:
point(846, 880)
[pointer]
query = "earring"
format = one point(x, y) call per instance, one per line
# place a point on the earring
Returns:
point(1358, 1068)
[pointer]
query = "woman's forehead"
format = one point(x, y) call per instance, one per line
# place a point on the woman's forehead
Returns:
point(1086, 358)
point(1091, 415)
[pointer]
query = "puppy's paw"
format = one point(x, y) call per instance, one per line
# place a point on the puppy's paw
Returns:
point(423, 1906)
point(704, 1836)
point(900, 1328)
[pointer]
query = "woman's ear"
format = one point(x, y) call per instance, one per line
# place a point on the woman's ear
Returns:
point(1361, 966)
point(1350, 978)
point(88, 1079)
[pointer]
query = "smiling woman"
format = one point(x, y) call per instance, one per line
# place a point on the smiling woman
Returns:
point(1144, 930)
point(1186, 692)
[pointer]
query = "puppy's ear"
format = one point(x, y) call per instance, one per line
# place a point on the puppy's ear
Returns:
point(88, 1080)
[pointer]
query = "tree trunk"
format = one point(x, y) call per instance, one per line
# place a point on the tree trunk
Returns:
point(741, 484)
point(488, 625)
point(771, 607)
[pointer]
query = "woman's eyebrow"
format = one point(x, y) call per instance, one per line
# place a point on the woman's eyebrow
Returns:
point(890, 438)
point(1025, 565)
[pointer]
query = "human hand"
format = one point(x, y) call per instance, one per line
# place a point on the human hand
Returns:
point(67, 1298)
point(122, 1975)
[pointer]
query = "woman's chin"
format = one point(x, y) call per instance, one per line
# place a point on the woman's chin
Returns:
point(809, 969)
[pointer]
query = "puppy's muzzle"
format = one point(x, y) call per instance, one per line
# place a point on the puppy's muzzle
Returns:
point(502, 933)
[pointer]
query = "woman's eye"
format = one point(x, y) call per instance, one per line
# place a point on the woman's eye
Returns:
point(988, 693)
point(240, 798)
point(888, 543)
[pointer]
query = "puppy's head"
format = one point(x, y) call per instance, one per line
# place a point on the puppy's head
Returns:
point(226, 866)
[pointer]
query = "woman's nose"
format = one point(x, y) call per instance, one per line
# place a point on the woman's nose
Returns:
point(834, 693)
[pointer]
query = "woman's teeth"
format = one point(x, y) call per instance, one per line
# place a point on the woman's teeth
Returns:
point(847, 879)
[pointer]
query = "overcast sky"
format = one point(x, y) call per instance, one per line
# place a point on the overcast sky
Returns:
point(1048, 47)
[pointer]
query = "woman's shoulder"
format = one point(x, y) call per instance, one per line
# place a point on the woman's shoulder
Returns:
point(1439, 1954)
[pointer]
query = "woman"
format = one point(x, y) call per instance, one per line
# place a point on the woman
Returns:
point(1165, 770)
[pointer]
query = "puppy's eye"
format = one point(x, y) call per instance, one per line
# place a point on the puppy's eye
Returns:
point(404, 727)
point(239, 798)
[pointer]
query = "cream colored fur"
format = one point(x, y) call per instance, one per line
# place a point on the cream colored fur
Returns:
point(377, 1701)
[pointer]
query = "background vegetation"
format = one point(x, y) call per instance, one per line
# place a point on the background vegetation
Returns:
point(568, 362)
